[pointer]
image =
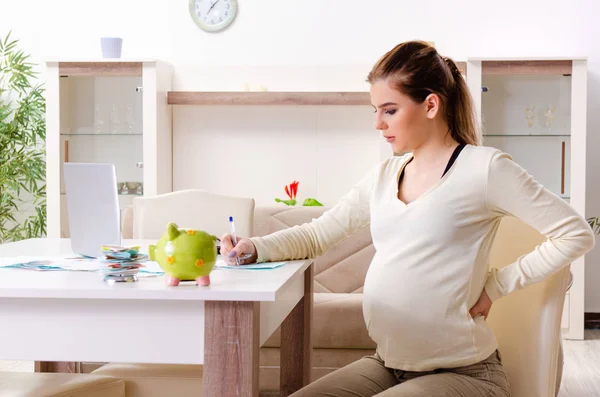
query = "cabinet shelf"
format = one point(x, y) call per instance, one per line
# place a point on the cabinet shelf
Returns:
point(522, 89)
point(102, 134)
point(525, 66)
point(120, 194)
point(527, 135)
point(95, 68)
point(268, 98)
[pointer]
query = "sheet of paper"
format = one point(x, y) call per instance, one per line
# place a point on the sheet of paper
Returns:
point(221, 264)
point(45, 263)
point(75, 263)
point(61, 263)
point(151, 268)
point(11, 260)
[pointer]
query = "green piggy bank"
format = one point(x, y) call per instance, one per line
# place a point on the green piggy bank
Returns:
point(185, 255)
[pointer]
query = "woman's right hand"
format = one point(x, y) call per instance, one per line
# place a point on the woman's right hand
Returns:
point(244, 250)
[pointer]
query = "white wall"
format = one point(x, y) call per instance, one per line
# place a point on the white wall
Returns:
point(270, 36)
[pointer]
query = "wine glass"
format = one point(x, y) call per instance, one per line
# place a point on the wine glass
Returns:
point(114, 118)
point(98, 120)
point(549, 114)
point(129, 118)
point(530, 115)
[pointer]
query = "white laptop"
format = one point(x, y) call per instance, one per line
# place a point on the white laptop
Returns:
point(92, 207)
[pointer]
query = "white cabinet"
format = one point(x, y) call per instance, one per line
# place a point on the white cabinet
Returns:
point(535, 110)
point(109, 111)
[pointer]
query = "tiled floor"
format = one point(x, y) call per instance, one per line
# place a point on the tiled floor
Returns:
point(581, 376)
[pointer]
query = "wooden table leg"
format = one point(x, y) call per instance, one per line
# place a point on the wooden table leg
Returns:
point(61, 367)
point(231, 348)
point(296, 343)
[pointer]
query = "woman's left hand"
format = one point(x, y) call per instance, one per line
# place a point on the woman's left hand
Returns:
point(483, 306)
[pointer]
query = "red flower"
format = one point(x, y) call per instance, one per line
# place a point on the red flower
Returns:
point(292, 189)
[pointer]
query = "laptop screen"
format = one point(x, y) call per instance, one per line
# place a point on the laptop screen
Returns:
point(92, 206)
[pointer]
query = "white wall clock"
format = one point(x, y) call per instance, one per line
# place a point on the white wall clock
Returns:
point(213, 15)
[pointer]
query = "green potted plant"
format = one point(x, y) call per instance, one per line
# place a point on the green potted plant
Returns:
point(595, 224)
point(22, 146)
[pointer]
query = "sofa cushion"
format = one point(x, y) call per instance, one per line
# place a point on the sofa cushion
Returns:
point(343, 267)
point(26, 384)
point(337, 323)
point(156, 380)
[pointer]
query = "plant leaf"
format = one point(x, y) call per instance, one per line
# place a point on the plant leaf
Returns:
point(22, 145)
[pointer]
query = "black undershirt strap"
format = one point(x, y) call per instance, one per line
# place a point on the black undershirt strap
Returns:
point(453, 158)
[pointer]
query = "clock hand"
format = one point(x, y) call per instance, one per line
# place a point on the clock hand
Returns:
point(211, 7)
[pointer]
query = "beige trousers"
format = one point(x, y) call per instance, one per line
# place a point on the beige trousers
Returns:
point(368, 377)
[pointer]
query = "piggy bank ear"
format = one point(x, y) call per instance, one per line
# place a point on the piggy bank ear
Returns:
point(152, 252)
point(173, 231)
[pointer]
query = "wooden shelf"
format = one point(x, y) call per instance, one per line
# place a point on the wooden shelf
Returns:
point(268, 98)
point(119, 194)
point(542, 67)
point(100, 68)
point(102, 134)
point(527, 135)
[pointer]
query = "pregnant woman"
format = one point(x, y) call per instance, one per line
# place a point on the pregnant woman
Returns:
point(433, 214)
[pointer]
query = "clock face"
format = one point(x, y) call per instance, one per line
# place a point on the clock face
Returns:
point(213, 15)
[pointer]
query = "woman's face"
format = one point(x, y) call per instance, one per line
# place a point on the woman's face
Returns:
point(404, 123)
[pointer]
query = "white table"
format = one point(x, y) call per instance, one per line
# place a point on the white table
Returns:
point(76, 316)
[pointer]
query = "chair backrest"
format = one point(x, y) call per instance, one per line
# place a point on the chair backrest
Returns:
point(527, 322)
point(195, 209)
point(343, 267)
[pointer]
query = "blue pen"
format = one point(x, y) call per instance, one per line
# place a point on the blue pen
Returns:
point(234, 239)
point(232, 225)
